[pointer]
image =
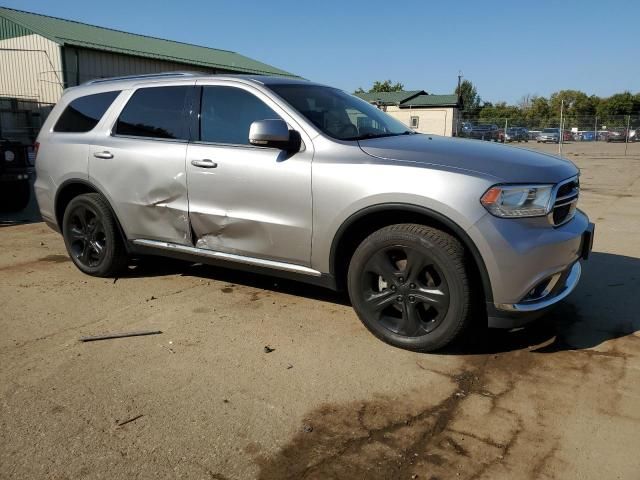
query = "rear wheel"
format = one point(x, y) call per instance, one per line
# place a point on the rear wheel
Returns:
point(409, 286)
point(92, 237)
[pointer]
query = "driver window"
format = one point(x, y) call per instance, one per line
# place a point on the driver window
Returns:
point(226, 114)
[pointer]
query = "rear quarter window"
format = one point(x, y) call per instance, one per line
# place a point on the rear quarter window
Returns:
point(155, 112)
point(84, 113)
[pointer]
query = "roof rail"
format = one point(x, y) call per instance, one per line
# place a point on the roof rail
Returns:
point(143, 76)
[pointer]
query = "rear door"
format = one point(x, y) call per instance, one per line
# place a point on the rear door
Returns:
point(139, 162)
point(243, 199)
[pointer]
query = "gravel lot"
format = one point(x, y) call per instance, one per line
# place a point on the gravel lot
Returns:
point(560, 399)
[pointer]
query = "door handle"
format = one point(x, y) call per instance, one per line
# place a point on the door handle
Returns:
point(204, 163)
point(104, 154)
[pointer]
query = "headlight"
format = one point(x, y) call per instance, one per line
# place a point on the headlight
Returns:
point(514, 201)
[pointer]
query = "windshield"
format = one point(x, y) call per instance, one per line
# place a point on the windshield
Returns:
point(550, 130)
point(339, 114)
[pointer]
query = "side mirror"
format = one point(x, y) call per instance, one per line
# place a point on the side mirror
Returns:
point(274, 134)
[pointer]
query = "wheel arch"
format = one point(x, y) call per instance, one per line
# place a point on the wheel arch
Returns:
point(369, 219)
point(70, 189)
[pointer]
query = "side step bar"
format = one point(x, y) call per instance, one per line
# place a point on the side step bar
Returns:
point(229, 257)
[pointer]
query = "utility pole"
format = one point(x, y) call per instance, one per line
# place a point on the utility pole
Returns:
point(595, 129)
point(561, 129)
point(459, 96)
point(626, 142)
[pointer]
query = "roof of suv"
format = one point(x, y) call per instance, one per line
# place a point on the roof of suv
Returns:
point(164, 76)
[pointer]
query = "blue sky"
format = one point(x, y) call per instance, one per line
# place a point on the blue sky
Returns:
point(507, 49)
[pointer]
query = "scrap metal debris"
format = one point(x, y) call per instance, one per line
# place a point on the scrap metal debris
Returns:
point(109, 336)
point(132, 419)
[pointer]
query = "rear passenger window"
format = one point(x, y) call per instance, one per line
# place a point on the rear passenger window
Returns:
point(157, 112)
point(84, 113)
point(227, 114)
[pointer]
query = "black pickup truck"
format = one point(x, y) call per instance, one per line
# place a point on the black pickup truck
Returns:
point(15, 171)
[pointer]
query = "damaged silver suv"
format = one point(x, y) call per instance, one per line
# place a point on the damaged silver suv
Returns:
point(301, 180)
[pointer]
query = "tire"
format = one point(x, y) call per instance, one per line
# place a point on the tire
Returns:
point(409, 286)
point(92, 237)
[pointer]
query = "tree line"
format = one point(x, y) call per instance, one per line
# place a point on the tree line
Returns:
point(580, 109)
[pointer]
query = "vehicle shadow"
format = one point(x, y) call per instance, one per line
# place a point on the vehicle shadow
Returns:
point(160, 266)
point(604, 306)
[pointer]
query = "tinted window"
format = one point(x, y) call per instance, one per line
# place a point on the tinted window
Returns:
point(84, 113)
point(339, 114)
point(156, 113)
point(228, 112)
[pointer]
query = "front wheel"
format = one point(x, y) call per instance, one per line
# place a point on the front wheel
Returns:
point(409, 286)
point(92, 237)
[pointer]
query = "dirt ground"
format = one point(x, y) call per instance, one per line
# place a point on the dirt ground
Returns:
point(560, 399)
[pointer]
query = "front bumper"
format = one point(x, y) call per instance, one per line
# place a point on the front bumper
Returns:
point(552, 290)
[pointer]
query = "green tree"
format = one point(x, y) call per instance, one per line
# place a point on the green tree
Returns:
point(470, 98)
point(613, 110)
point(386, 86)
point(538, 113)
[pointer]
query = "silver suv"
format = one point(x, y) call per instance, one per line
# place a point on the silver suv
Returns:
point(300, 180)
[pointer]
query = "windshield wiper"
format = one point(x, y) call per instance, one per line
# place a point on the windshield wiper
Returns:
point(368, 136)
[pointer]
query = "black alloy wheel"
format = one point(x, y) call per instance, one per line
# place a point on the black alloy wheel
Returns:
point(405, 291)
point(92, 236)
point(87, 238)
point(409, 285)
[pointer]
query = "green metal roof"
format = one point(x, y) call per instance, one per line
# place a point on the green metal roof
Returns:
point(389, 98)
point(68, 32)
point(432, 101)
point(410, 98)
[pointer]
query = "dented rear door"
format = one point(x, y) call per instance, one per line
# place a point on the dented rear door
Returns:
point(243, 199)
point(139, 163)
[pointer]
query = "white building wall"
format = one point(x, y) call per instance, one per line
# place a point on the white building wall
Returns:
point(438, 121)
point(30, 68)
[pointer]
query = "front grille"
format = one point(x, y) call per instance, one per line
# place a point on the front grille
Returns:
point(566, 199)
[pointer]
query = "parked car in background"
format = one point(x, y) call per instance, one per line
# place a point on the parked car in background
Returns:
point(549, 135)
point(275, 175)
point(617, 135)
point(15, 172)
point(484, 132)
point(587, 136)
point(533, 134)
point(633, 135)
point(465, 129)
point(516, 134)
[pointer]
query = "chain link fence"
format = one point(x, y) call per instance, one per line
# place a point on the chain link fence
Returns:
point(619, 129)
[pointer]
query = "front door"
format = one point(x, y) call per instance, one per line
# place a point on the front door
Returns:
point(243, 199)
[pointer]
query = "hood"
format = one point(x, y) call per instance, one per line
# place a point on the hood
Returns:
point(506, 164)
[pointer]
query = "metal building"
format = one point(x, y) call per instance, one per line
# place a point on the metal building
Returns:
point(42, 55)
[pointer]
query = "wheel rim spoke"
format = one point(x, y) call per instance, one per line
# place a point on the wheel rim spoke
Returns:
point(416, 263)
point(410, 325)
point(432, 296)
point(378, 301)
point(381, 264)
